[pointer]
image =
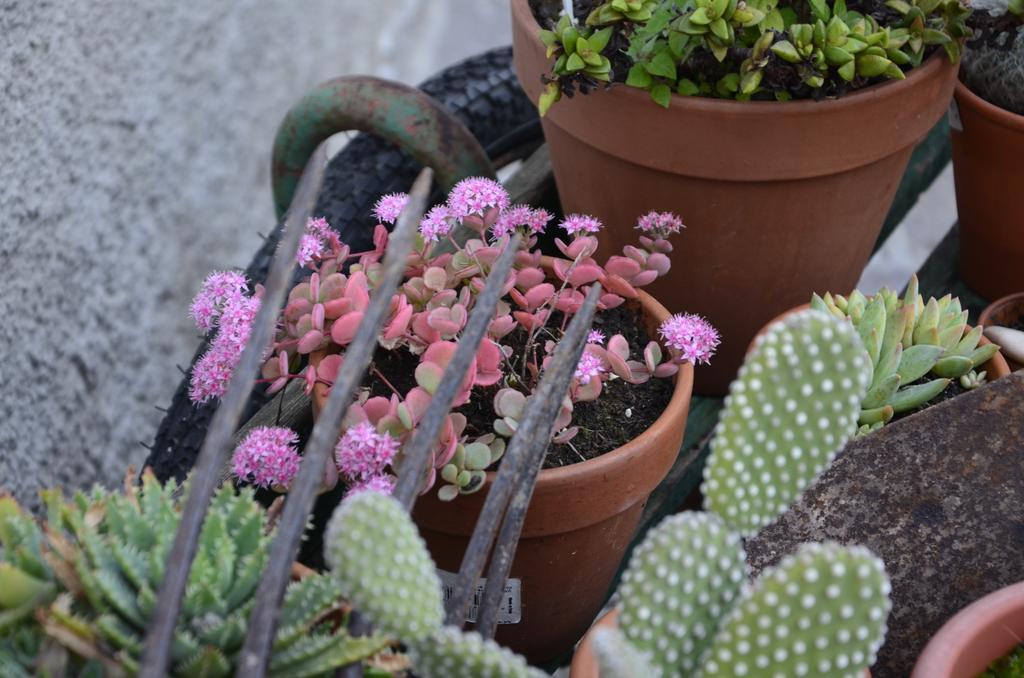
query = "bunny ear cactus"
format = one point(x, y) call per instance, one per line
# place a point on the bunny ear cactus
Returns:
point(820, 612)
point(687, 608)
point(906, 340)
point(106, 553)
point(680, 582)
point(370, 530)
point(792, 407)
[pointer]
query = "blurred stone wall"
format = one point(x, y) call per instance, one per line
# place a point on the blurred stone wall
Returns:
point(134, 158)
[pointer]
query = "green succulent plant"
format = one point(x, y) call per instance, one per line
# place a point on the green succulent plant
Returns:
point(907, 340)
point(97, 564)
point(687, 607)
point(404, 598)
point(745, 49)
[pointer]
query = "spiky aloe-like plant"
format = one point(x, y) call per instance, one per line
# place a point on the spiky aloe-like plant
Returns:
point(687, 607)
point(908, 339)
point(103, 556)
point(403, 598)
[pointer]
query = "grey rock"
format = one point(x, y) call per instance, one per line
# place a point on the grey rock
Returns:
point(939, 496)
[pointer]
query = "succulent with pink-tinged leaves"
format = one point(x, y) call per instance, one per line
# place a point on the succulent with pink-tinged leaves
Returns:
point(428, 315)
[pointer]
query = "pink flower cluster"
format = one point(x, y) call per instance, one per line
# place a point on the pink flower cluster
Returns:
point(576, 224)
point(218, 290)
point(233, 318)
point(589, 367)
point(314, 241)
point(660, 224)
point(532, 221)
point(267, 457)
point(389, 207)
point(363, 454)
point(693, 337)
point(436, 224)
point(476, 196)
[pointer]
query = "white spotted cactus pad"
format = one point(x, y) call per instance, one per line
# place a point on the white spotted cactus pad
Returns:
point(383, 566)
point(821, 612)
point(617, 657)
point(793, 406)
point(680, 583)
point(450, 652)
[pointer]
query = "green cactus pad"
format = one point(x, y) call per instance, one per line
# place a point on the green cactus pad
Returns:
point(821, 612)
point(450, 652)
point(616, 656)
point(679, 584)
point(794, 405)
point(382, 563)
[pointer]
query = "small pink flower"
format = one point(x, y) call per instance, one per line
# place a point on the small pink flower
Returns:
point(211, 374)
point(218, 289)
point(596, 337)
point(381, 484)
point(589, 367)
point(521, 216)
point(691, 335)
point(575, 224)
point(267, 457)
point(389, 207)
point(363, 453)
point(436, 224)
point(314, 241)
point(475, 196)
point(660, 224)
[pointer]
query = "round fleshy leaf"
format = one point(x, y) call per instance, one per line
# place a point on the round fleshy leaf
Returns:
point(450, 652)
point(793, 406)
point(382, 563)
point(679, 585)
point(821, 612)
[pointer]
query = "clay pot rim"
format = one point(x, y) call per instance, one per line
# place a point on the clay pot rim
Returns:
point(995, 114)
point(996, 365)
point(985, 319)
point(610, 462)
point(956, 636)
point(756, 109)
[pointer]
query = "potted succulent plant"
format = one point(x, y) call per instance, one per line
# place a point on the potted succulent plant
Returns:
point(983, 639)
point(616, 437)
point(781, 135)
point(1003, 321)
point(686, 604)
point(921, 353)
point(77, 593)
point(987, 131)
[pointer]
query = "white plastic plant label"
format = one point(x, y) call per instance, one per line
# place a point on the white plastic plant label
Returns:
point(511, 610)
point(955, 123)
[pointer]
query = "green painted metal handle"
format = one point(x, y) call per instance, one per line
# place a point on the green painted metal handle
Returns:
point(398, 113)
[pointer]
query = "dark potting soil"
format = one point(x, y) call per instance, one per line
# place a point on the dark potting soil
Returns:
point(1019, 325)
point(621, 413)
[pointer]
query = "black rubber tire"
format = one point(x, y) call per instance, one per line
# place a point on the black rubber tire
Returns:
point(483, 93)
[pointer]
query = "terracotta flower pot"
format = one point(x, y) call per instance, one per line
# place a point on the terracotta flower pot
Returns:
point(996, 367)
point(780, 199)
point(584, 662)
point(988, 144)
point(981, 633)
point(1006, 312)
point(581, 520)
